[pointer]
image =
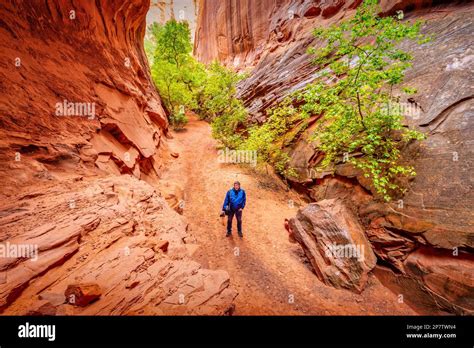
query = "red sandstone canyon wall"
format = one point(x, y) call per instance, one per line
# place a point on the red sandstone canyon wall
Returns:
point(233, 31)
point(425, 241)
point(79, 52)
point(80, 185)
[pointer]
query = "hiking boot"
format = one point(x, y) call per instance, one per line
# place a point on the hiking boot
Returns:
point(228, 234)
point(241, 235)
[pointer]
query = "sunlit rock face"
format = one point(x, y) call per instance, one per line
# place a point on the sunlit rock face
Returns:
point(82, 145)
point(162, 11)
point(233, 32)
point(437, 211)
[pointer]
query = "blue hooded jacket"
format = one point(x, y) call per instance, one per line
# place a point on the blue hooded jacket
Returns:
point(236, 199)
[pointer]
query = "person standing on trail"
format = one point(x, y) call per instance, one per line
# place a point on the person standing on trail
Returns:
point(234, 203)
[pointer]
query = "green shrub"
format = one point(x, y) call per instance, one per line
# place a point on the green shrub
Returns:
point(178, 120)
point(183, 82)
point(218, 104)
point(266, 138)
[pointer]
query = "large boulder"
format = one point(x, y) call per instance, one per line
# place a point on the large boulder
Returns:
point(335, 243)
point(82, 294)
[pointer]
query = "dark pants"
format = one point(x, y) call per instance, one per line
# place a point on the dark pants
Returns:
point(238, 215)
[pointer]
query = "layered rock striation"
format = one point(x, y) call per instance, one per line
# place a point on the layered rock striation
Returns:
point(115, 235)
point(76, 92)
point(83, 144)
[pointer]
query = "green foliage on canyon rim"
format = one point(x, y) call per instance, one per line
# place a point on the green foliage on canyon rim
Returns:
point(360, 65)
point(186, 84)
point(218, 104)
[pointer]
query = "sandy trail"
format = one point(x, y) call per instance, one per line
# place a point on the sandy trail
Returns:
point(270, 274)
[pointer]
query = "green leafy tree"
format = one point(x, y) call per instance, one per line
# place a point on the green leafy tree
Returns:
point(218, 103)
point(183, 82)
point(363, 65)
point(360, 66)
point(173, 68)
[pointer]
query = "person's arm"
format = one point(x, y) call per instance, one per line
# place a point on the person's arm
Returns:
point(226, 201)
point(244, 200)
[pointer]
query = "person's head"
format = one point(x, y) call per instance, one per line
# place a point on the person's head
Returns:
point(236, 185)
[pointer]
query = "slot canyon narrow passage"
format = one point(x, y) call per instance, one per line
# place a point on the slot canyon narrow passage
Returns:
point(270, 275)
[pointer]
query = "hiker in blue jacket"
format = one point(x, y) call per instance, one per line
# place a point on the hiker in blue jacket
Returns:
point(234, 203)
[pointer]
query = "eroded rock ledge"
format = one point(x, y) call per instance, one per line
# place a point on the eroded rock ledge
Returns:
point(77, 52)
point(116, 232)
